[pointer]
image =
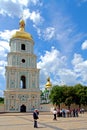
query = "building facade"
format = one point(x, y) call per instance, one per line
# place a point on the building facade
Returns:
point(22, 92)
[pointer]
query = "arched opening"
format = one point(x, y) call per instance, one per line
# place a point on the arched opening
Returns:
point(22, 46)
point(23, 82)
point(23, 108)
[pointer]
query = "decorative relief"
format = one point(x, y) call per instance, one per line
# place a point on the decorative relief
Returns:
point(12, 104)
point(33, 96)
point(13, 60)
point(12, 96)
point(12, 79)
point(12, 75)
point(23, 97)
point(33, 80)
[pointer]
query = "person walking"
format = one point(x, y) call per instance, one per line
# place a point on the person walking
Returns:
point(35, 117)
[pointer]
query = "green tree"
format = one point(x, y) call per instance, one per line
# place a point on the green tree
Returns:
point(56, 95)
point(1, 100)
point(68, 101)
point(69, 94)
point(78, 94)
point(83, 95)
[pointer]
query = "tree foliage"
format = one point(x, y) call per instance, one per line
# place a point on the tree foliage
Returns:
point(69, 94)
point(1, 100)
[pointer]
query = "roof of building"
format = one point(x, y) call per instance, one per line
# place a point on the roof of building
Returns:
point(48, 84)
point(21, 32)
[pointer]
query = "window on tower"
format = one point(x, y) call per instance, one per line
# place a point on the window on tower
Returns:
point(23, 82)
point(23, 60)
point(22, 46)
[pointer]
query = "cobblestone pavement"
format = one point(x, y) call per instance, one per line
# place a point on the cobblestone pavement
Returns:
point(24, 121)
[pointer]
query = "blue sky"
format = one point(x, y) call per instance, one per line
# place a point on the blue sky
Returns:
point(59, 30)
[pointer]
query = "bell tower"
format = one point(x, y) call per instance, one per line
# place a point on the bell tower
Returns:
point(22, 92)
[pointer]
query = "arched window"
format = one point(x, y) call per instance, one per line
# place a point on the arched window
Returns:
point(23, 82)
point(23, 108)
point(22, 46)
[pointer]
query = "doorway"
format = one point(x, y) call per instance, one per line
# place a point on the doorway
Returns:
point(23, 108)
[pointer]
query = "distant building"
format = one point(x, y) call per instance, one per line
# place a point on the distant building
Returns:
point(46, 92)
point(48, 85)
point(22, 92)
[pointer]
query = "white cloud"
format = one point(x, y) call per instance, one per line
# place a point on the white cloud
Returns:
point(3, 63)
point(10, 8)
point(36, 2)
point(1, 93)
point(77, 59)
point(51, 59)
point(6, 34)
point(4, 48)
point(50, 64)
point(2, 52)
point(4, 39)
point(54, 64)
point(67, 76)
point(33, 16)
point(2, 69)
point(19, 8)
point(84, 45)
point(23, 2)
point(26, 13)
point(80, 67)
point(49, 33)
point(62, 30)
point(13, 7)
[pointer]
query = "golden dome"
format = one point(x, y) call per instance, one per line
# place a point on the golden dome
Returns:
point(21, 33)
point(48, 84)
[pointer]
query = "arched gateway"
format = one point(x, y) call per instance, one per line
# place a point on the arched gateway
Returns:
point(22, 74)
point(23, 108)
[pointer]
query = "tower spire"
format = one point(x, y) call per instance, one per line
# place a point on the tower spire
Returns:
point(21, 33)
point(48, 84)
point(22, 25)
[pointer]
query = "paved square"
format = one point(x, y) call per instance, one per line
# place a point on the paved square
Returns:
point(24, 121)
